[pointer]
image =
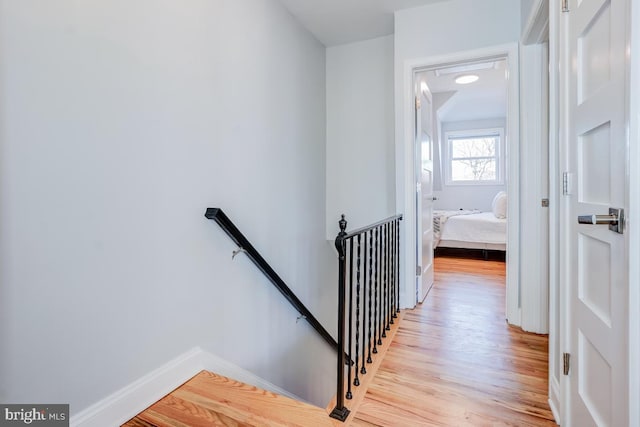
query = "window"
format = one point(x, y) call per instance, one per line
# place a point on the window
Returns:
point(474, 157)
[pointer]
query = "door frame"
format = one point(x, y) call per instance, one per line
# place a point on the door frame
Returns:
point(536, 169)
point(539, 27)
point(634, 213)
point(405, 162)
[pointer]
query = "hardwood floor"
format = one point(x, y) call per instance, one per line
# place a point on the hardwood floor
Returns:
point(455, 362)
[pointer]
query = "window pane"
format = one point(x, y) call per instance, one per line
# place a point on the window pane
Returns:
point(474, 147)
point(473, 170)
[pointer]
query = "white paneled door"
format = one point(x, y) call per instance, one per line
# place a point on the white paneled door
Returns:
point(597, 161)
point(424, 189)
point(426, 175)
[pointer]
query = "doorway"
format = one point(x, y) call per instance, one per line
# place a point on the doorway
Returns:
point(407, 200)
point(464, 208)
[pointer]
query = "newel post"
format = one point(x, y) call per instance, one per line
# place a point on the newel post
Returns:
point(340, 412)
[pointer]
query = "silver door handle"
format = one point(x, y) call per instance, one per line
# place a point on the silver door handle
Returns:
point(615, 219)
point(598, 219)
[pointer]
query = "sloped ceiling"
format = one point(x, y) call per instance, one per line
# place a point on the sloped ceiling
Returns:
point(335, 22)
point(484, 99)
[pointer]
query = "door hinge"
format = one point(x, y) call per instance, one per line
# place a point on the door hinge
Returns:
point(417, 102)
point(544, 203)
point(566, 361)
point(565, 5)
point(567, 183)
point(418, 270)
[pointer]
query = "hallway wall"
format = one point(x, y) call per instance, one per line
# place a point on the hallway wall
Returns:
point(360, 160)
point(120, 123)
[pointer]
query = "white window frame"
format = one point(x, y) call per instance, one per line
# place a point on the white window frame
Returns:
point(474, 133)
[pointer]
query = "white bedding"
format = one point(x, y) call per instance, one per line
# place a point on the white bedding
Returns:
point(482, 227)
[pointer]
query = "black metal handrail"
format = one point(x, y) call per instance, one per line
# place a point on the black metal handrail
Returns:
point(372, 226)
point(244, 245)
point(369, 273)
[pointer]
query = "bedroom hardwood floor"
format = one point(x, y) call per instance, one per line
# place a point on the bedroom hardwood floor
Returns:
point(455, 362)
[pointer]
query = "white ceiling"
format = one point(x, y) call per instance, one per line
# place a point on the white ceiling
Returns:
point(484, 99)
point(336, 22)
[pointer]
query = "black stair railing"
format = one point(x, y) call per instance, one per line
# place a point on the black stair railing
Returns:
point(245, 246)
point(368, 299)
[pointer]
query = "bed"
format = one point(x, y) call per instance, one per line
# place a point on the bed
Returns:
point(469, 230)
point(472, 229)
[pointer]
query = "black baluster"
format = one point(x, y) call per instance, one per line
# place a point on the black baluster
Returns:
point(392, 280)
point(363, 369)
point(356, 381)
point(385, 271)
point(393, 270)
point(388, 272)
point(397, 272)
point(371, 273)
point(380, 277)
point(375, 295)
point(340, 412)
point(349, 394)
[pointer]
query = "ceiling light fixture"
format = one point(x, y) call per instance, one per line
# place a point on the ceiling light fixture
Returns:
point(465, 79)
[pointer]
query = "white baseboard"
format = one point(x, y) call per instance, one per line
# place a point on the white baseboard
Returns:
point(554, 411)
point(554, 400)
point(124, 404)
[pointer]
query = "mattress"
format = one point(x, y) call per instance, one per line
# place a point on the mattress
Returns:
point(482, 227)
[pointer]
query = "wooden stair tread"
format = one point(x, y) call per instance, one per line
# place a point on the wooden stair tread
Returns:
point(209, 399)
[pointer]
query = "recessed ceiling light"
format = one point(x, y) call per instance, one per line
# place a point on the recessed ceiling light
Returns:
point(466, 79)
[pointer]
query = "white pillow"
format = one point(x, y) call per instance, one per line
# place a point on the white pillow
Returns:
point(499, 205)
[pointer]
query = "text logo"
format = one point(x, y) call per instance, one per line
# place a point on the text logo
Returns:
point(34, 415)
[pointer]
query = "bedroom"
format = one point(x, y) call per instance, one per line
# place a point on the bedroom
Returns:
point(465, 214)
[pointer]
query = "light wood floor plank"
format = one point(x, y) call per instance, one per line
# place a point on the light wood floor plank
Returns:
point(213, 400)
point(455, 362)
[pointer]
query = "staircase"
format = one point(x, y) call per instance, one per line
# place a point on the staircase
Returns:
point(368, 314)
point(209, 399)
point(213, 400)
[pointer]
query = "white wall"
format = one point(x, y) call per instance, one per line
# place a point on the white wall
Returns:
point(120, 123)
point(526, 6)
point(440, 100)
point(446, 28)
point(360, 146)
point(454, 197)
